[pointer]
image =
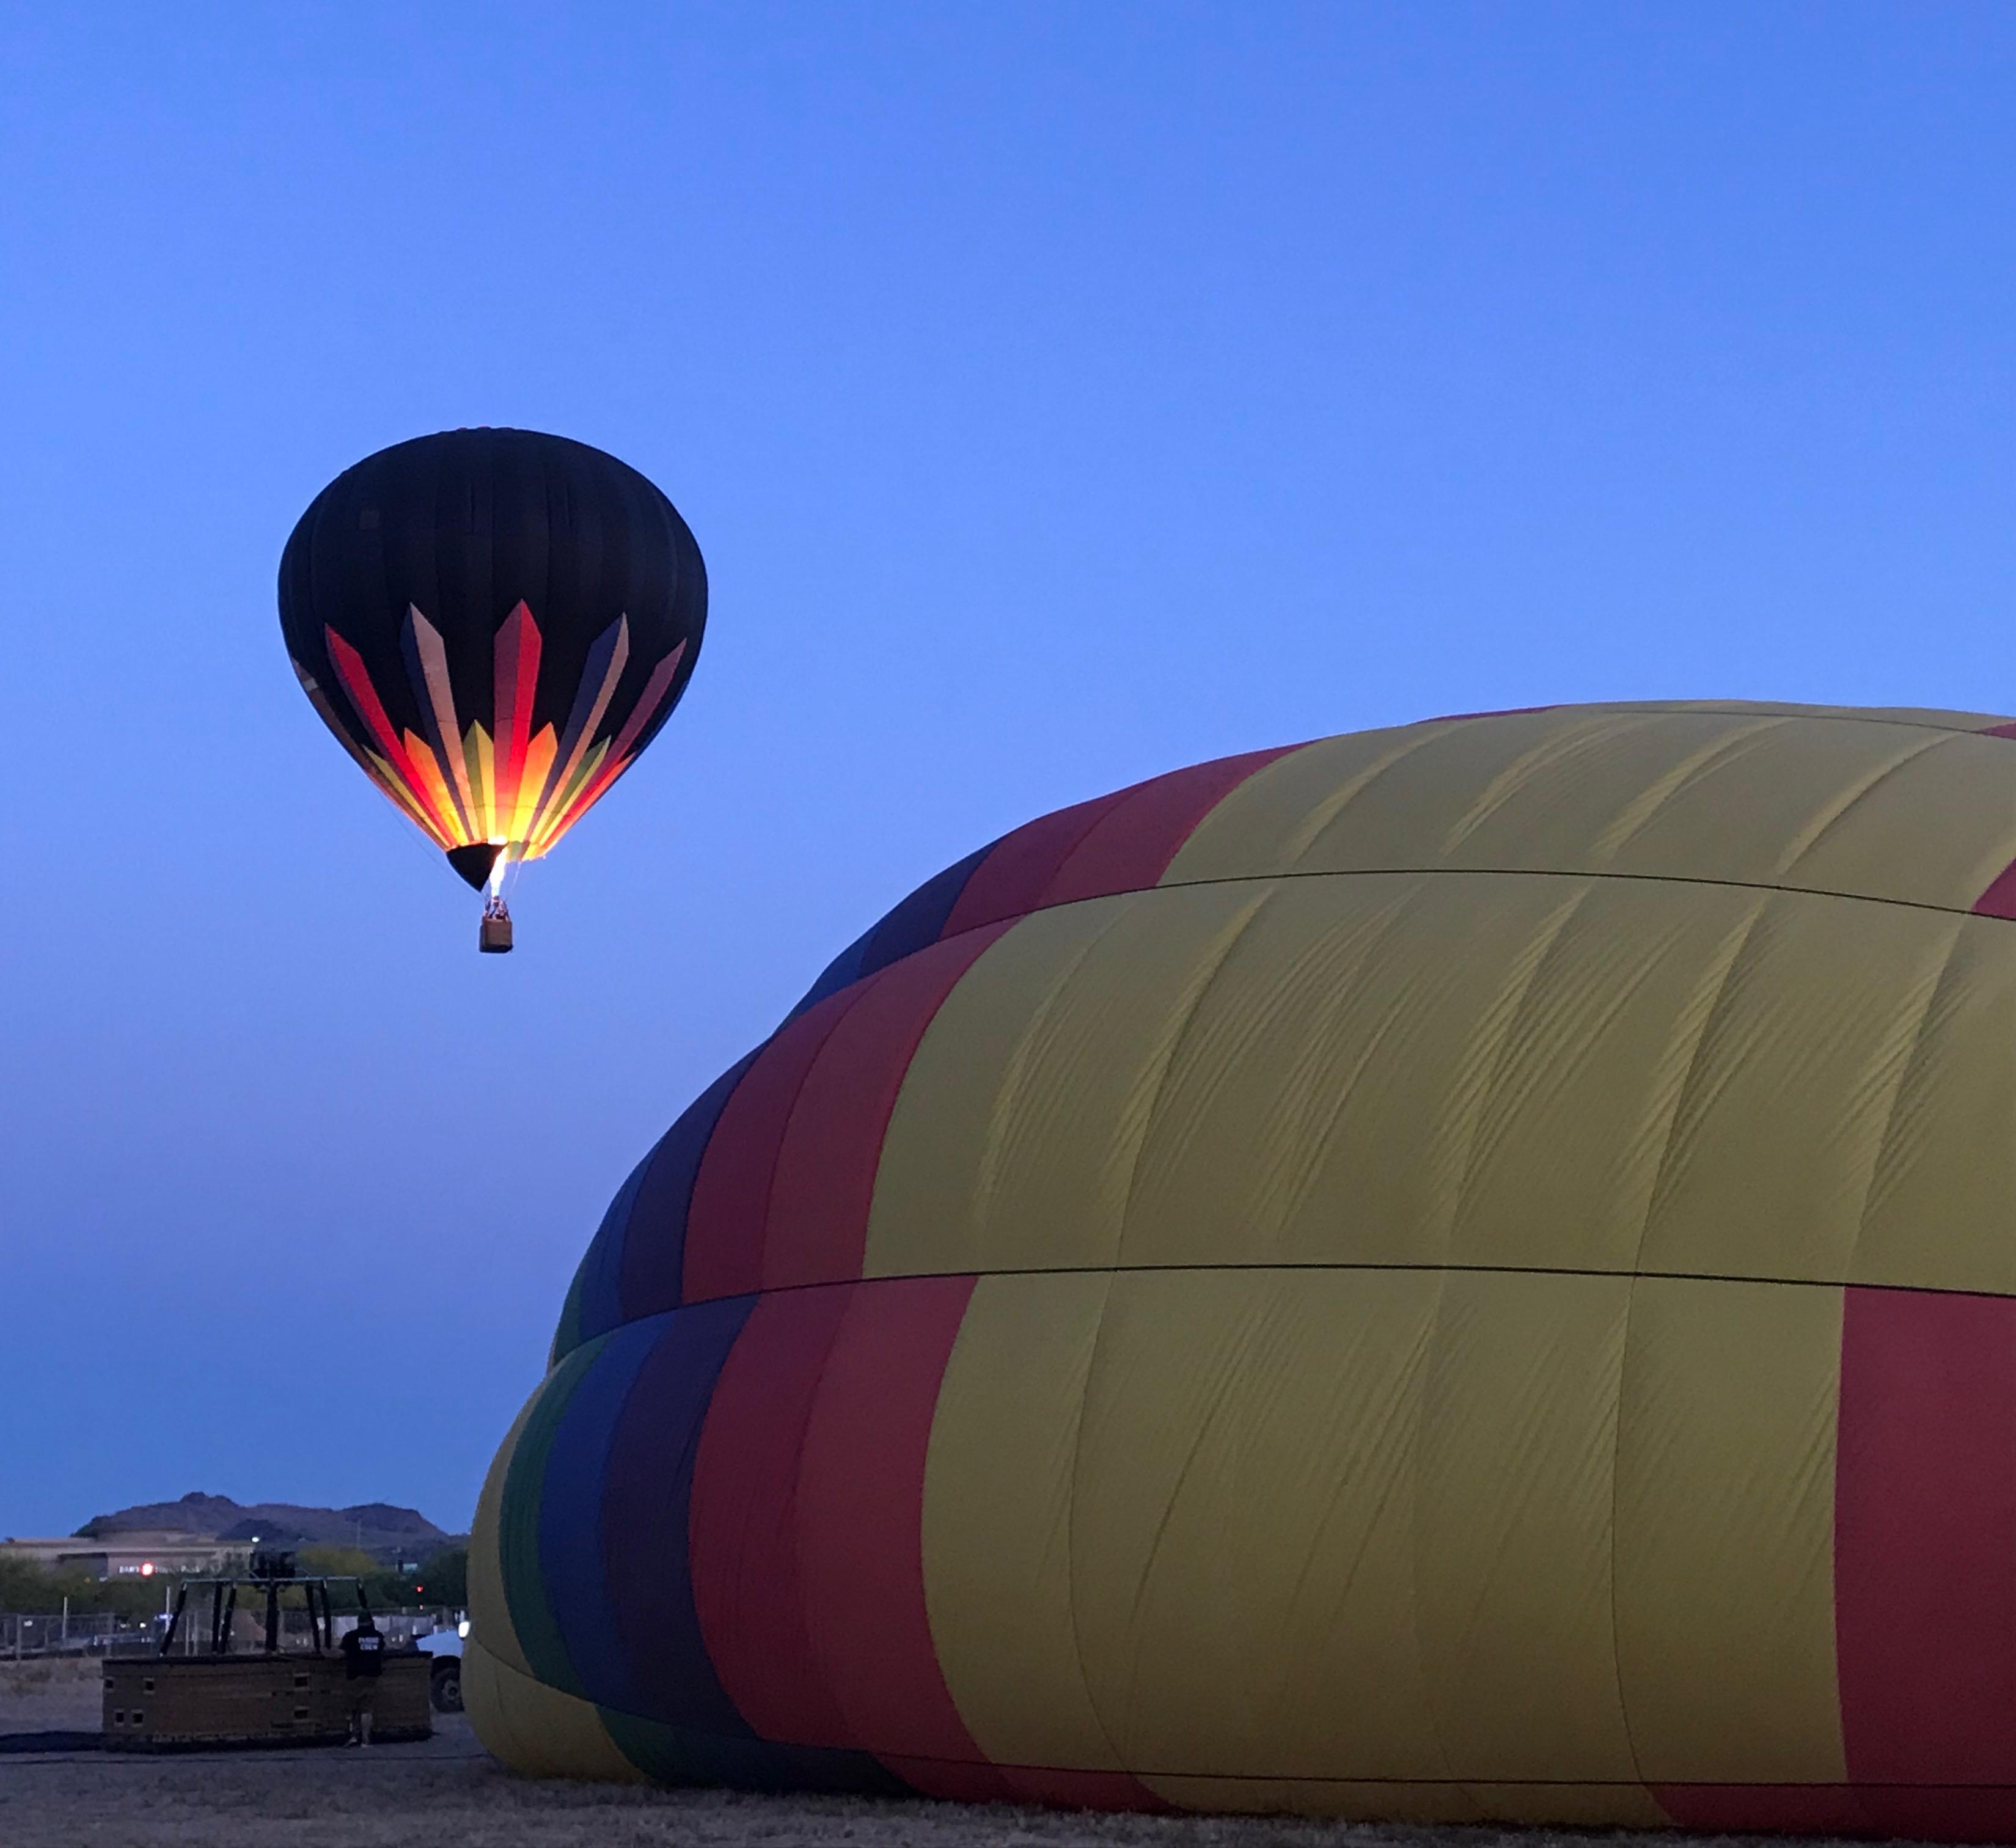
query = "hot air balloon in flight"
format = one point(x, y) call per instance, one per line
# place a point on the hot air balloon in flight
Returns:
point(493, 623)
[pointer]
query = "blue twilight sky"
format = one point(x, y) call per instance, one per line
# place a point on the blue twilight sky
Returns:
point(1059, 393)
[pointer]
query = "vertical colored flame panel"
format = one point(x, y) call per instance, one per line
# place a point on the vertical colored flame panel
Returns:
point(731, 1195)
point(468, 786)
point(747, 1573)
point(1011, 880)
point(1925, 1561)
point(823, 1182)
point(661, 1671)
point(516, 678)
point(807, 1548)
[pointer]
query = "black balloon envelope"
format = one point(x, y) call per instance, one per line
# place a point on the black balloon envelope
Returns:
point(493, 623)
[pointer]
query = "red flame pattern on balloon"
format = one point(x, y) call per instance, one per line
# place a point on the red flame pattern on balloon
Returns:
point(465, 784)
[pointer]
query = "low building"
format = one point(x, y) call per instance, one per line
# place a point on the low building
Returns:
point(137, 1555)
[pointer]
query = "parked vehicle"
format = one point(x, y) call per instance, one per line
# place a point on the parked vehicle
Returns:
point(444, 1645)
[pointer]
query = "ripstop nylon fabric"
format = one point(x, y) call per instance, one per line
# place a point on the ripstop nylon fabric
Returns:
point(1458, 1273)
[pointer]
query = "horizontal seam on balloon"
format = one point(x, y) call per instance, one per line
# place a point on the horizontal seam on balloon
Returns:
point(1685, 1276)
point(1809, 892)
point(1799, 891)
point(1803, 891)
point(1700, 709)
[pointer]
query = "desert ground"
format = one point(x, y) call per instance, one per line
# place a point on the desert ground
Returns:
point(49, 1696)
point(448, 1793)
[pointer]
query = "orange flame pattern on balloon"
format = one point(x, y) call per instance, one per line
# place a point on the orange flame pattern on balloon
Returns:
point(465, 785)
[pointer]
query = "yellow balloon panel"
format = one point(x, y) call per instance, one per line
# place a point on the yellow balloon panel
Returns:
point(1391, 1528)
point(1000, 1501)
point(1863, 806)
point(534, 1730)
point(489, 1609)
point(1515, 1602)
point(1518, 1070)
point(990, 1162)
point(1724, 1538)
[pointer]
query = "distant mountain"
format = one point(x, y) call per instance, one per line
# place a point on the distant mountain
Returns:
point(388, 1533)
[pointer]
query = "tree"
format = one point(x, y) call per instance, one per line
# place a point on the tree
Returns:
point(36, 1591)
point(443, 1578)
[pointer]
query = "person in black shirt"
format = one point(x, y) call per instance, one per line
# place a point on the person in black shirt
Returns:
point(363, 1661)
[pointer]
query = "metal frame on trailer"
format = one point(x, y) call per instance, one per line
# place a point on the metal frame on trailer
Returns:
point(223, 1608)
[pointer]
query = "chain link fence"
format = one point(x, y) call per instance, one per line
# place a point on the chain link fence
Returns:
point(102, 1633)
point(88, 1633)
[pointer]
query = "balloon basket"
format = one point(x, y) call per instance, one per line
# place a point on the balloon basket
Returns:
point(493, 936)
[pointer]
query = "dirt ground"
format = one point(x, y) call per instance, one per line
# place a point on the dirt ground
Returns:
point(449, 1793)
point(51, 1696)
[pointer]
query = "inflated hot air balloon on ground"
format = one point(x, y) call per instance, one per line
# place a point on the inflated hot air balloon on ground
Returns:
point(1460, 1272)
point(493, 623)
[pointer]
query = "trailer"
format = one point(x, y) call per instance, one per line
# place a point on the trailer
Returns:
point(212, 1692)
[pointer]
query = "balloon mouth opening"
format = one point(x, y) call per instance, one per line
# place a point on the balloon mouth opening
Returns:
point(480, 864)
